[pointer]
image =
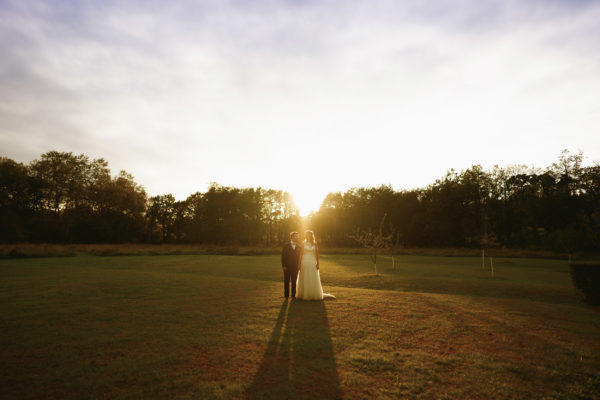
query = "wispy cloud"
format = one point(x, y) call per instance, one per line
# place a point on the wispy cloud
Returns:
point(183, 93)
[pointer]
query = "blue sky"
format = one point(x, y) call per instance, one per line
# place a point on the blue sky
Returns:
point(305, 96)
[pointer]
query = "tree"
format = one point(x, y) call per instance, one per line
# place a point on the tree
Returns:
point(373, 240)
point(161, 212)
point(63, 176)
point(567, 170)
point(182, 216)
point(119, 209)
point(18, 200)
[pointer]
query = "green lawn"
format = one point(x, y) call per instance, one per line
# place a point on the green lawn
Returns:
point(202, 326)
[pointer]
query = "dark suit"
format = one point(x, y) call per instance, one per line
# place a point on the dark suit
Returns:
point(289, 261)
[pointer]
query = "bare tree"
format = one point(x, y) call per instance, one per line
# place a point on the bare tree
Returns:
point(375, 241)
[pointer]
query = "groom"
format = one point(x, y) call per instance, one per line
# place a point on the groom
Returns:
point(289, 264)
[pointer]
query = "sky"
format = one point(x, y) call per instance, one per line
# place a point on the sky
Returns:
point(306, 96)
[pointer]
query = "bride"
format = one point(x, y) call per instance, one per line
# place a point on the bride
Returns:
point(309, 281)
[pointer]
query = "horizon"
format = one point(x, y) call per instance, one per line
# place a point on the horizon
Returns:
point(510, 169)
point(310, 97)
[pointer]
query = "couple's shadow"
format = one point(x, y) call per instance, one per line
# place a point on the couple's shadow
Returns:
point(298, 362)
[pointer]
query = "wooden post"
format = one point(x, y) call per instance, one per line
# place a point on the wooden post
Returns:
point(482, 259)
point(492, 265)
point(375, 261)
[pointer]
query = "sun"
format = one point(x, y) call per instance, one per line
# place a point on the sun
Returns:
point(308, 193)
point(307, 200)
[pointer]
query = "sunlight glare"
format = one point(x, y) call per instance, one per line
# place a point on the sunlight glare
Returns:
point(307, 199)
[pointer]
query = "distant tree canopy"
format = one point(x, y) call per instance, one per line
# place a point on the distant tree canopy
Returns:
point(62, 197)
point(555, 208)
point(66, 198)
point(225, 216)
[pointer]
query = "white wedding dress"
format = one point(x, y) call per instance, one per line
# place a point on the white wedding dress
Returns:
point(308, 286)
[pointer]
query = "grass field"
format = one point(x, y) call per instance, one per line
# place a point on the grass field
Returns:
point(209, 326)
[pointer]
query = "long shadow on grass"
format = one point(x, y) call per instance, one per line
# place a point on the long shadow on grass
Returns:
point(298, 362)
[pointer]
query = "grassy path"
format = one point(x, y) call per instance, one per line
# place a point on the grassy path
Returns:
point(191, 327)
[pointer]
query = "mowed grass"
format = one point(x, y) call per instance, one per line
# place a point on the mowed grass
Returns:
point(206, 326)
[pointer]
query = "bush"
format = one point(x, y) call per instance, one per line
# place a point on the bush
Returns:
point(586, 277)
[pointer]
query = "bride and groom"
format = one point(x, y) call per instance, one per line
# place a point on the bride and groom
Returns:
point(300, 266)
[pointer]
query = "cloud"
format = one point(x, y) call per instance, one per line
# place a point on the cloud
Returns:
point(184, 93)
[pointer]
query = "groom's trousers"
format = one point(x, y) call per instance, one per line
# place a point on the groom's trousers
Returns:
point(289, 275)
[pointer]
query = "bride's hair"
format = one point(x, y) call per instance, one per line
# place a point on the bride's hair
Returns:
point(310, 237)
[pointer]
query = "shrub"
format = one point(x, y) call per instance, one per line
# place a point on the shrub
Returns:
point(586, 278)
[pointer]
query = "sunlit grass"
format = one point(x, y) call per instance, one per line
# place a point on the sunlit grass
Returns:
point(215, 326)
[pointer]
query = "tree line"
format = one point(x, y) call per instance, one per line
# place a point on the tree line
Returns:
point(62, 197)
point(553, 208)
